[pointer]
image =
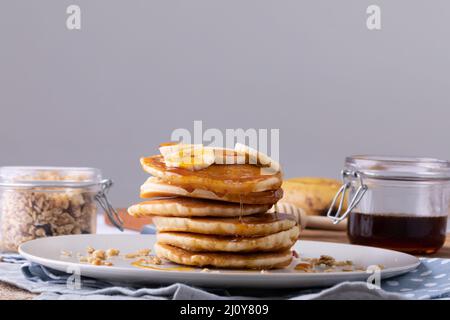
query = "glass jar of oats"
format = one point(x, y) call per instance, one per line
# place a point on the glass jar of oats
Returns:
point(38, 202)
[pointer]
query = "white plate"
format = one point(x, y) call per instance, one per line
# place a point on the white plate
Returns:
point(47, 251)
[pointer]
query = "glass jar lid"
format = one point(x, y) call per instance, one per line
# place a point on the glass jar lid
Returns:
point(59, 178)
point(399, 168)
point(70, 177)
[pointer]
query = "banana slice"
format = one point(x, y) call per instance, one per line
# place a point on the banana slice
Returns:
point(187, 156)
point(196, 157)
point(258, 158)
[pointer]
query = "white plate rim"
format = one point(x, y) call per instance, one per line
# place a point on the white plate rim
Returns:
point(236, 273)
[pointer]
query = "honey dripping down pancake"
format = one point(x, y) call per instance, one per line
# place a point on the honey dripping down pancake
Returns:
point(190, 207)
point(213, 243)
point(265, 260)
point(156, 187)
point(244, 226)
point(217, 178)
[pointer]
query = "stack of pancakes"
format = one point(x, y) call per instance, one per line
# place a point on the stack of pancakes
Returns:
point(217, 215)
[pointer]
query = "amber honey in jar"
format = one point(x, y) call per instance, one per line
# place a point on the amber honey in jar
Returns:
point(396, 203)
point(398, 231)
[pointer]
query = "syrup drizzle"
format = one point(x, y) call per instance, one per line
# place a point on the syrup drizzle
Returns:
point(141, 264)
point(275, 211)
point(241, 208)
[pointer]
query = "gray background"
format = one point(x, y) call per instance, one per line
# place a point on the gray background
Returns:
point(109, 93)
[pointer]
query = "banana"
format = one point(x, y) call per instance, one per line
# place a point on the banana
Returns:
point(196, 157)
point(258, 158)
point(188, 156)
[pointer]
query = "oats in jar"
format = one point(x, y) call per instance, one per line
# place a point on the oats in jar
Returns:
point(42, 202)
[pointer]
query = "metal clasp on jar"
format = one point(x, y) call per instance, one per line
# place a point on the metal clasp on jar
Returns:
point(102, 199)
point(347, 179)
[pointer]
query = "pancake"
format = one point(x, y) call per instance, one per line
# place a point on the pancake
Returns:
point(200, 242)
point(217, 178)
point(313, 195)
point(269, 260)
point(248, 226)
point(190, 207)
point(155, 187)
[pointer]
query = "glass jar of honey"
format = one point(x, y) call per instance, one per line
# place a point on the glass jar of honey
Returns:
point(395, 202)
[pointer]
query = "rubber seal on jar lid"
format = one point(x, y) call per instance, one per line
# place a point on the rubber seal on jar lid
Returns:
point(399, 168)
point(51, 177)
